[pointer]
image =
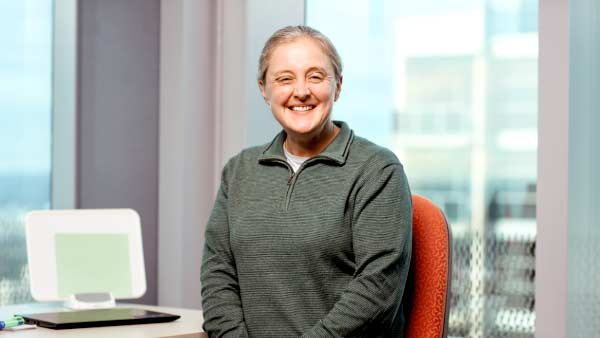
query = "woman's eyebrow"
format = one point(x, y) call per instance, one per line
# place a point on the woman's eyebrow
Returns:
point(309, 70)
point(318, 69)
point(282, 72)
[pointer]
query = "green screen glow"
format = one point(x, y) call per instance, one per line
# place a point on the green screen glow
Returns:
point(93, 263)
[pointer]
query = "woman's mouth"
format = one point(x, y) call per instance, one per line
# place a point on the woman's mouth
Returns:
point(302, 108)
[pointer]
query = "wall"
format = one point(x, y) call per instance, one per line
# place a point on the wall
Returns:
point(188, 129)
point(567, 275)
point(553, 164)
point(584, 165)
point(118, 83)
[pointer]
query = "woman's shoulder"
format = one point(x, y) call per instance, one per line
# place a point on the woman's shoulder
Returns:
point(250, 154)
point(246, 158)
point(363, 150)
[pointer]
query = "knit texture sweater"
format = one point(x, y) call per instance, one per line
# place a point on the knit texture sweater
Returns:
point(323, 252)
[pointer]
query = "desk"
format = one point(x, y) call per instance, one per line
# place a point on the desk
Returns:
point(189, 325)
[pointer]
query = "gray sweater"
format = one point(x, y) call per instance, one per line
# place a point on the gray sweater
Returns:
point(323, 252)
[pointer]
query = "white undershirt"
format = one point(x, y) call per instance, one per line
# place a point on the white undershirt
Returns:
point(293, 160)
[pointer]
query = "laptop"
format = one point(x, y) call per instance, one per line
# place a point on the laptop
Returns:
point(97, 317)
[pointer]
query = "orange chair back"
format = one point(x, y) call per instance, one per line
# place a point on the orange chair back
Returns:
point(428, 285)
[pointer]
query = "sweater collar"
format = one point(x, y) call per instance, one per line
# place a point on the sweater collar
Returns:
point(336, 151)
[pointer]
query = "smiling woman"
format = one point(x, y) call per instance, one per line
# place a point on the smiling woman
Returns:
point(310, 235)
point(301, 85)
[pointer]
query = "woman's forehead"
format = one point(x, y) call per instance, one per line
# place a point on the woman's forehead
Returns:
point(300, 54)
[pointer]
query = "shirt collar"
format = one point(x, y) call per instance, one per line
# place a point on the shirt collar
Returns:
point(336, 151)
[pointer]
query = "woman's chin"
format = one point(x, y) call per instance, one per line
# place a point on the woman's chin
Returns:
point(301, 130)
point(303, 122)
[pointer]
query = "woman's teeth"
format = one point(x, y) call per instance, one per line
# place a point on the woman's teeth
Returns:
point(302, 108)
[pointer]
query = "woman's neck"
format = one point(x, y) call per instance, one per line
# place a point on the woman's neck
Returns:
point(312, 145)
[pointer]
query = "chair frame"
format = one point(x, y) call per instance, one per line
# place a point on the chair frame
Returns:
point(411, 283)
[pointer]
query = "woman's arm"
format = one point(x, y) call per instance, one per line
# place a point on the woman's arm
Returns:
point(382, 235)
point(222, 308)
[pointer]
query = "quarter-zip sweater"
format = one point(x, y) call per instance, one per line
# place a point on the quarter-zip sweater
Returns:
point(323, 252)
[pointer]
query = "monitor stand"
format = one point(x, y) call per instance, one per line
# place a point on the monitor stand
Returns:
point(95, 300)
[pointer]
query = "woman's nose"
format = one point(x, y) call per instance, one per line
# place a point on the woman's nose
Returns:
point(301, 90)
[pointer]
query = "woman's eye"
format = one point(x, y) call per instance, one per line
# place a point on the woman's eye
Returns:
point(284, 80)
point(315, 78)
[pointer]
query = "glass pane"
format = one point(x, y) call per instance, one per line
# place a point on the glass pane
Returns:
point(451, 87)
point(25, 131)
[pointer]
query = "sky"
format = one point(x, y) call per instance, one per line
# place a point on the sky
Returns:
point(25, 85)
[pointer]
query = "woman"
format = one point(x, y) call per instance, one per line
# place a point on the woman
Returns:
point(310, 235)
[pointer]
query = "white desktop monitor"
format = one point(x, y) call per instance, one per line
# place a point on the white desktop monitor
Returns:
point(85, 251)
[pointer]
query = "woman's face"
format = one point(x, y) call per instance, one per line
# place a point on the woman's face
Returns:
point(300, 87)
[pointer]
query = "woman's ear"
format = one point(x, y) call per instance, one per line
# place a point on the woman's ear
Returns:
point(263, 92)
point(338, 88)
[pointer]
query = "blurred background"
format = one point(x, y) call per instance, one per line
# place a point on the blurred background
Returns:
point(450, 86)
point(25, 133)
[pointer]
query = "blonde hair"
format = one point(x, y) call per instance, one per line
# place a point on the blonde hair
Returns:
point(290, 34)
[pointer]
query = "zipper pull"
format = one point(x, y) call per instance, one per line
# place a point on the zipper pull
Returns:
point(290, 179)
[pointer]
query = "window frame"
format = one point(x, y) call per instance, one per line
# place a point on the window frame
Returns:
point(64, 106)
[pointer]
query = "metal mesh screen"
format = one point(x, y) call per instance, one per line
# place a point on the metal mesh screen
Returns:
point(492, 292)
point(14, 273)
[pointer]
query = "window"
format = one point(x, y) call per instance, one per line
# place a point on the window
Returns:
point(25, 132)
point(451, 88)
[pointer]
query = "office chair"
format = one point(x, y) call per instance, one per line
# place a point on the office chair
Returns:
point(427, 291)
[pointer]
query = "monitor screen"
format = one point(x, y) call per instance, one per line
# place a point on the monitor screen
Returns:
point(93, 263)
point(85, 251)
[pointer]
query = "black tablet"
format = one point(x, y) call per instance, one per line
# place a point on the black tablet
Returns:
point(97, 317)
